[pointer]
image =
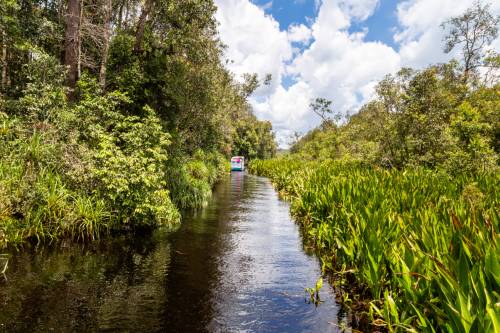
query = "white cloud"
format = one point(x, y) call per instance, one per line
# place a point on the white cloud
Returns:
point(287, 109)
point(420, 36)
point(299, 33)
point(267, 5)
point(358, 9)
point(255, 42)
point(331, 62)
point(339, 65)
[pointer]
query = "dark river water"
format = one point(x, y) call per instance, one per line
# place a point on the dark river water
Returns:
point(238, 265)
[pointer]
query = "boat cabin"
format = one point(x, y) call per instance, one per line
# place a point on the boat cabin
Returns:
point(237, 163)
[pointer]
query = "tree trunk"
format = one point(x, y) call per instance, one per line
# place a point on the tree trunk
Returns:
point(141, 25)
point(127, 12)
point(80, 22)
point(120, 16)
point(467, 68)
point(4, 61)
point(105, 48)
point(71, 44)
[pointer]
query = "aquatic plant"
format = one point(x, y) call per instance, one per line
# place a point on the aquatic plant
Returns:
point(314, 292)
point(420, 245)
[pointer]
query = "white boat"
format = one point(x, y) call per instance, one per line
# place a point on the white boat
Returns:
point(237, 163)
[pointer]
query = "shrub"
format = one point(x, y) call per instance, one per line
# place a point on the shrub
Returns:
point(128, 154)
point(79, 170)
point(192, 178)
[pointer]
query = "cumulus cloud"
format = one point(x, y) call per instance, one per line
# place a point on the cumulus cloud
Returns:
point(254, 41)
point(299, 33)
point(287, 109)
point(358, 9)
point(420, 34)
point(340, 65)
point(325, 59)
point(267, 5)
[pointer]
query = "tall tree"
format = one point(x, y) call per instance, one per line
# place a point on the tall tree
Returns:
point(8, 24)
point(322, 107)
point(475, 29)
point(105, 48)
point(71, 44)
point(141, 25)
point(4, 60)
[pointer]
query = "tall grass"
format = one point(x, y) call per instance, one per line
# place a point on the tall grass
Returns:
point(420, 245)
point(35, 204)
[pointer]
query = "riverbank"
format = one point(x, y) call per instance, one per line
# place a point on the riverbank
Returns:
point(89, 171)
point(419, 245)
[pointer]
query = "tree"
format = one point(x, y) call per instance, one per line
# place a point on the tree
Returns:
point(492, 65)
point(475, 30)
point(4, 60)
point(141, 25)
point(253, 138)
point(322, 107)
point(71, 43)
point(268, 79)
point(105, 48)
point(8, 24)
point(250, 84)
point(295, 139)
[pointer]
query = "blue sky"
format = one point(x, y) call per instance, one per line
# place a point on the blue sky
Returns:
point(336, 49)
point(287, 12)
point(380, 24)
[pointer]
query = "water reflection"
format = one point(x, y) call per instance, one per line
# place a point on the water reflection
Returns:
point(235, 266)
point(103, 286)
point(265, 271)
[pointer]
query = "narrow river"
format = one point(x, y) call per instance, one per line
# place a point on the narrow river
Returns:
point(236, 266)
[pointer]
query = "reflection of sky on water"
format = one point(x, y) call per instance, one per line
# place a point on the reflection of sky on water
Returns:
point(265, 271)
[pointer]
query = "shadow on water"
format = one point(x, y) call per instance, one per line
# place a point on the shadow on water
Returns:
point(236, 266)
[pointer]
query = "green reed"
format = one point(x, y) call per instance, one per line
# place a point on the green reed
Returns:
point(420, 245)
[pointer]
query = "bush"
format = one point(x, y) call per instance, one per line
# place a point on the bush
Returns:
point(128, 156)
point(79, 170)
point(192, 178)
point(35, 201)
